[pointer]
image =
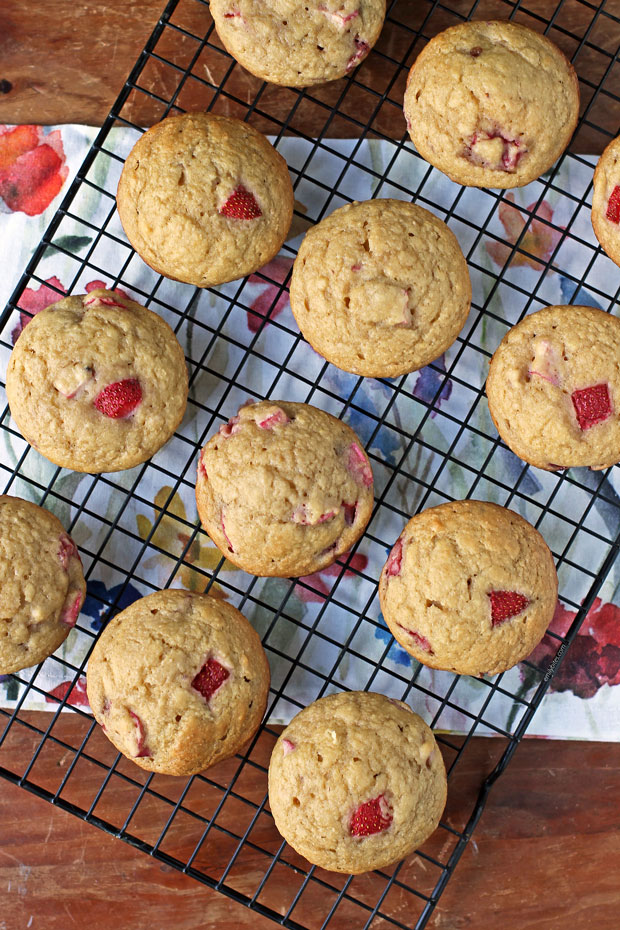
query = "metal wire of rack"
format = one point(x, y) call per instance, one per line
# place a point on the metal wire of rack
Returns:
point(216, 827)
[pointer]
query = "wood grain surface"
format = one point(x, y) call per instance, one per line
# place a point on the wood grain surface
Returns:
point(546, 853)
point(63, 61)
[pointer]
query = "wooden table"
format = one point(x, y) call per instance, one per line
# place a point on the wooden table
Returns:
point(546, 853)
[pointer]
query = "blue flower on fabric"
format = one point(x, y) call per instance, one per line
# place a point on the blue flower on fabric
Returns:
point(582, 298)
point(99, 598)
point(396, 653)
point(386, 441)
point(429, 382)
point(513, 468)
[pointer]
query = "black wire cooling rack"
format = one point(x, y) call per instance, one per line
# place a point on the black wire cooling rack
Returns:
point(216, 827)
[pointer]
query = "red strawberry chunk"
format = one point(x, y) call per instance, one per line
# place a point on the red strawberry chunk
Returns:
point(211, 676)
point(420, 641)
point(227, 429)
point(513, 150)
point(241, 205)
point(478, 153)
point(361, 50)
point(66, 551)
point(395, 559)
point(72, 612)
point(505, 605)
point(275, 419)
point(230, 545)
point(202, 471)
point(350, 511)
point(613, 207)
point(356, 463)
point(302, 516)
point(371, 817)
point(592, 405)
point(103, 301)
point(287, 746)
point(120, 399)
point(339, 17)
point(143, 750)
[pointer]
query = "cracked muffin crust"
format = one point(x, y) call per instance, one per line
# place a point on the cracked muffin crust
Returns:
point(205, 199)
point(178, 681)
point(42, 586)
point(606, 200)
point(491, 104)
point(554, 388)
point(356, 782)
point(298, 44)
point(380, 288)
point(97, 383)
point(283, 489)
point(469, 587)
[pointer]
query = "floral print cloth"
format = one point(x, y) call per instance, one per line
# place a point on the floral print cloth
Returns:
point(158, 519)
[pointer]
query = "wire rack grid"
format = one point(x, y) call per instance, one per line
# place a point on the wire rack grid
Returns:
point(216, 827)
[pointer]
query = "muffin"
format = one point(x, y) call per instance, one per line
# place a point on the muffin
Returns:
point(491, 104)
point(606, 200)
point(97, 383)
point(298, 44)
point(356, 782)
point(42, 585)
point(284, 489)
point(380, 288)
point(554, 388)
point(469, 587)
point(205, 199)
point(178, 681)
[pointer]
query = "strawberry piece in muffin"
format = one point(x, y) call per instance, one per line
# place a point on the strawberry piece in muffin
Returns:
point(371, 817)
point(120, 399)
point(241, 205)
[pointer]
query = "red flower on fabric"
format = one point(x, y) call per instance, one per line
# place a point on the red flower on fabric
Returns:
point(265, 306)
point(32, 168)
point(593, 659)
point(322, 582)
point(35, 299)
point(101, 285)
point(539, 240)
point(77, 693)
